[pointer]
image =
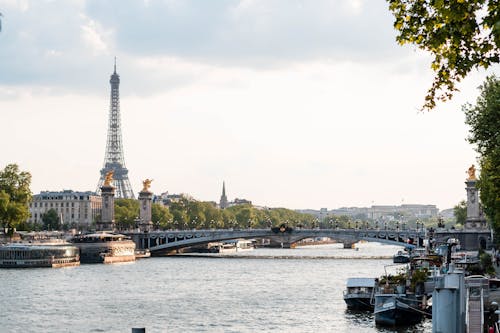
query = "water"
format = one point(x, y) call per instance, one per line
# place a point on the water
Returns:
point(196, 294)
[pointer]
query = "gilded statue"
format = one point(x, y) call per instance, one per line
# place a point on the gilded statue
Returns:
point(146, 185)
point(472, 173)
point(108, 179)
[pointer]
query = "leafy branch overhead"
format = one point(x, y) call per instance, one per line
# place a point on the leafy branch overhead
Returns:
point(461, 35)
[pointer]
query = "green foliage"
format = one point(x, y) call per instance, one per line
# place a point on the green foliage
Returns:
point(483, 119)
point(51, 220)
point(460, 34)
point(419, 275)
point(190, 214)
point(486, 263)
point(460, 212)
point(204, 215)
point(489, 184)
point(398, 279)
point(161, 215)
point(15, 194)
point(126, 212)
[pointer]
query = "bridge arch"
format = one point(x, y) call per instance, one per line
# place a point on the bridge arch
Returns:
point(164, 242)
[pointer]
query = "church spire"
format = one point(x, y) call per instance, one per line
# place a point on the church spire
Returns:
point(223, 199)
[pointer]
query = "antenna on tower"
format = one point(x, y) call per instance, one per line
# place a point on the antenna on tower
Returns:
point(115, 64)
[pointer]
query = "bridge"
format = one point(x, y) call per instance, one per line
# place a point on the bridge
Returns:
point(167, 242)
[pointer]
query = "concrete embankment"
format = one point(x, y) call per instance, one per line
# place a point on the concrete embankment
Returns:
point(245, 256)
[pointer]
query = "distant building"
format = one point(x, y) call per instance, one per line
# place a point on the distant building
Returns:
point(413, 211)
point(223, 198)
point(386, 213)
point(79, 208)
point(237, 202)
point(166, 199)
point(447, 214)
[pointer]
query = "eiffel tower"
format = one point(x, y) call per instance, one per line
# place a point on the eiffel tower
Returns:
point(113, 160)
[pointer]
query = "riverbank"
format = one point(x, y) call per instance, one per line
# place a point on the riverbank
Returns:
point(245, 256)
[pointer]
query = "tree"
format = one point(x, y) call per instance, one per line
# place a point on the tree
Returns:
point(484, 121)
point(126, 212)
point(15, 195)
point(161, 215)
point(461, 35)
point(460, 212)
point(51, 220)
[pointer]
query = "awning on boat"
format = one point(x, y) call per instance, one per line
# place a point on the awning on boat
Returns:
point(360, 282)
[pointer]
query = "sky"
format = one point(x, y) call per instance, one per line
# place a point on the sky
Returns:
point(293, 103)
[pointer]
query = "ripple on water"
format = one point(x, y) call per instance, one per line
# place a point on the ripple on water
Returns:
point(193, 294)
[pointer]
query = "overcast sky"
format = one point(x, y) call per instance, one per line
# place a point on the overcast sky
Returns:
point(297, 104)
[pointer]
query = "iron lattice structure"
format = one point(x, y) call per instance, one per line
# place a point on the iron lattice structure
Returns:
point(113, 159)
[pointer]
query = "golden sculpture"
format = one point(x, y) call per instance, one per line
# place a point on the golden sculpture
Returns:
point(472, 173)
point(108, 178)
point(146, 185)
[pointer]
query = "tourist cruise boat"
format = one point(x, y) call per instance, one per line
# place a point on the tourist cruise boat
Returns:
point(104, 247)
point(56, 253)
point(359, 293)
point(236, 245)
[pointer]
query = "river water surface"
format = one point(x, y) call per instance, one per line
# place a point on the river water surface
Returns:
point(270, 290)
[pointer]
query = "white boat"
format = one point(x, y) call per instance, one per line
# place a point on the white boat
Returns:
point(39, 254)
point(236, 245)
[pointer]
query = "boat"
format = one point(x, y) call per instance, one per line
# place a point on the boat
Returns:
point(401, 299)
point(104, 247)
point(401, 257)
point(359, 293)
point(399, 309)
point(141, 254)
point(39, 254)
point(236, 245)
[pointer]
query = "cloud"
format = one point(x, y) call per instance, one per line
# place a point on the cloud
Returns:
point(94, 36)
point(71, 44)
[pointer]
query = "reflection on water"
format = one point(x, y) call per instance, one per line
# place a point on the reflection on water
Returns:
point(191, 294)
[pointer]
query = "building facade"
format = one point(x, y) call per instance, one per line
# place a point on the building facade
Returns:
point(73, 208)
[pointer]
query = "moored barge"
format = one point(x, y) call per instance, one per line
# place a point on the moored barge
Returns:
point(44, 254)
point(104, 247)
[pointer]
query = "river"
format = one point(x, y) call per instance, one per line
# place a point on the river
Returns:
point(268, 290)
